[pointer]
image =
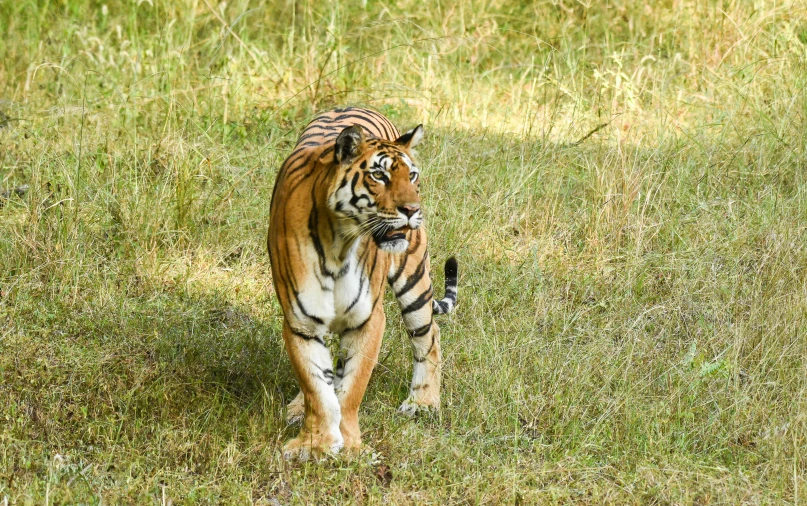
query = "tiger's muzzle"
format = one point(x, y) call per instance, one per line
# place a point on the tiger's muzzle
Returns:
point(392, 236)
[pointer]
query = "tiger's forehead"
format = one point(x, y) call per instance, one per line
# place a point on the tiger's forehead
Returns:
point(385, 147)
point(384, 156)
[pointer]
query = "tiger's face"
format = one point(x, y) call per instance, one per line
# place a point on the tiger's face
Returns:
point(378, 187)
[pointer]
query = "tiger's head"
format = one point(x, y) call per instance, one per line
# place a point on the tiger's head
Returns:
point(377, 187)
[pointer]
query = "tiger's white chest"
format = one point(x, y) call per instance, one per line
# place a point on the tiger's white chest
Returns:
point(352, 301)
point(352, 297)
point(338, 302)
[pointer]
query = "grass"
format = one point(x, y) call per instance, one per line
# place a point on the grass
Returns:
point(623, 184)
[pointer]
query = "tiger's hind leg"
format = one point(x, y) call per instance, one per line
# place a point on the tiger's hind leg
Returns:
point(412, 285)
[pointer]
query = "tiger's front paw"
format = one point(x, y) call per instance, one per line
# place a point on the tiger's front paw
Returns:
point(306, 446)
point(295, 411)
point(417, 404)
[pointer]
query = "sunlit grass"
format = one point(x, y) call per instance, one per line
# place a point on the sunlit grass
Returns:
point(623, 185)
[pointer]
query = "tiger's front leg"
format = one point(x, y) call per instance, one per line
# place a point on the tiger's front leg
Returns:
point(312, 364)
point(413, 288)
point(424, 392)
point(358, 354)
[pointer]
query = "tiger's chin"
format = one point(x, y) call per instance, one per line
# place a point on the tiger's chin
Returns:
point(392, 240)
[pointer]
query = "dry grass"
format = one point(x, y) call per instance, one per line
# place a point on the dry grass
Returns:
point(623, 184)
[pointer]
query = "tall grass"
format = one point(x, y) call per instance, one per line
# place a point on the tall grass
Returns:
point(623, 184)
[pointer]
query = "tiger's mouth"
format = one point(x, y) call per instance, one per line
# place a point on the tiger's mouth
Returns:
point(389, 234)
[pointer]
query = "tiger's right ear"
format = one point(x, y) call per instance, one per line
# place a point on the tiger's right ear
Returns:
point(349, 145)
point(411, 138)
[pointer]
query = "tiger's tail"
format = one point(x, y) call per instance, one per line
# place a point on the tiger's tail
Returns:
point(447, 303)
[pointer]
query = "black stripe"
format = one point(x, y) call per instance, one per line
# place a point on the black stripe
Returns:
point(372, 269)
point(399, 271)
point(307, 337)
point(299, 159)
point(389, 129)
point(327, 373)
point(293, 187)
point(358, 295)
point(302, 309)
point(312, 127)
point(421, 331)
point(362, 324)
point(425, 355)
point(327, 151)
point(415, 244)
point(357, 327)
point(384, 131)
point(313, 231)
point(343, 118)
point(414, 279)
point(419, 302)
point(308, 136)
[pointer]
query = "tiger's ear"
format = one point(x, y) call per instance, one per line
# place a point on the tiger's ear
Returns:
point(349, 145)
point(411, 138)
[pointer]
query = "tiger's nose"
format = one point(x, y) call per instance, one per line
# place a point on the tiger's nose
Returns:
point(409, 209)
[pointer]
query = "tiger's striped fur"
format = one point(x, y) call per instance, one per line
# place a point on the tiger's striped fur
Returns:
point(346, 220)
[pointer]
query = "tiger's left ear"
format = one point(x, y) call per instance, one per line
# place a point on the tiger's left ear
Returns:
point(411, 138)
point(349, 145)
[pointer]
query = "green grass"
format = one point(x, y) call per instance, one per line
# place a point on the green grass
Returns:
point(632, 325)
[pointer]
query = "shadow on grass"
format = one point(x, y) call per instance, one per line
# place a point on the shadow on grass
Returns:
point(165, 376)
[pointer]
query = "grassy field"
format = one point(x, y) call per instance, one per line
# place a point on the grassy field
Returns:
point(624, 185)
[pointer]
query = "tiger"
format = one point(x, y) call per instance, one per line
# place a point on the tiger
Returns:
point(345, 216)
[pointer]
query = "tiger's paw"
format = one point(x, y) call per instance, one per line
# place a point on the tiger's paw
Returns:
point(414, 405)
point(359, 453)
point(295, 411)
point(353, 444)
point(307, 446)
